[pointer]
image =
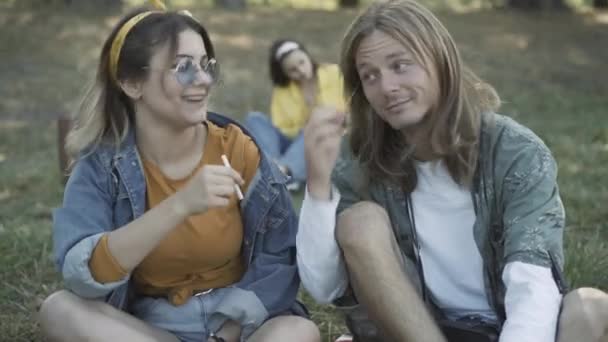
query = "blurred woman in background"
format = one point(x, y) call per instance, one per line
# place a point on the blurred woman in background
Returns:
point(300, 86)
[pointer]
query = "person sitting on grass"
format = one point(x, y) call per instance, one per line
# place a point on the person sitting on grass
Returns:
point(300, 86)
point(442, 218)
point(153, 240)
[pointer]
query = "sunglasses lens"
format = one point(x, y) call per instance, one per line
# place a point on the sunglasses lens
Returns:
point(185, 79)
point(186, 73)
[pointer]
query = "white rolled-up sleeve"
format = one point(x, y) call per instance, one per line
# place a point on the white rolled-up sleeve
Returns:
point(320, 262)
point(532, 303)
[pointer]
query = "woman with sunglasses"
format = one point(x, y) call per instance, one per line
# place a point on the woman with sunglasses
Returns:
point(152, 241)
point(301, 86)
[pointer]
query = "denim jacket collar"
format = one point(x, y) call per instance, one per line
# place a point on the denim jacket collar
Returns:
point(126, 161)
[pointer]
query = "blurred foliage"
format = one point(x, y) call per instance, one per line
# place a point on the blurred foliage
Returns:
point(455, 5)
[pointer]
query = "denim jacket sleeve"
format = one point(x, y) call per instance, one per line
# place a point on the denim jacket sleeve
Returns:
point(86, 214)
point(534, 216)
point(271, 282)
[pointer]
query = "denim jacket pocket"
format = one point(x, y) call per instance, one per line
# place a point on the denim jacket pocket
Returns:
point(277, 214)
point(276, 218)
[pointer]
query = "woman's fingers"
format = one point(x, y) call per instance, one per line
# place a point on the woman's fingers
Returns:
point(220, 173)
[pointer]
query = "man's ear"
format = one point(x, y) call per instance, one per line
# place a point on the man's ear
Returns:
point(133, 89)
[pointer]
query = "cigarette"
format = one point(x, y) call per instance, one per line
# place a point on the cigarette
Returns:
point(237, 189)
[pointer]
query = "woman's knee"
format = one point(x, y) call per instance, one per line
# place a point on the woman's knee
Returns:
point(60, 314)
point(364, 225)
point(67, 317)
point(59, 302)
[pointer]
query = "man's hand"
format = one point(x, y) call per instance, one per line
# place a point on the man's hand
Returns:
point(322, 136)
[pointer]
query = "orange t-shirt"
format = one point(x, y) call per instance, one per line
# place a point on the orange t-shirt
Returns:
point(205, 250)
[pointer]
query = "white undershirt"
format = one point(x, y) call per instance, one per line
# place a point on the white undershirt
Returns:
point(532, 300)
point(452, 264)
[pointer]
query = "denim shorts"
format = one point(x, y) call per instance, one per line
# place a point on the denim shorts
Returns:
point(188, 322)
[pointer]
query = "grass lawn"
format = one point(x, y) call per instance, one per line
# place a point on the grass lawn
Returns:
point(550, 69)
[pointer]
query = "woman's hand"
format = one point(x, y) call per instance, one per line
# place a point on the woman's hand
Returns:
point(211, 187)
point(322, 136)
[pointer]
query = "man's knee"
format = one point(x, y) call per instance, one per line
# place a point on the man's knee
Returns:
point(586, 301)
point(363, 225)
point(293, 328)
point(306, 330)
point(585, 309)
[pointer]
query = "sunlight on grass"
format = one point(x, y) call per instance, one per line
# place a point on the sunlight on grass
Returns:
point(601, 17)
point(242, 41)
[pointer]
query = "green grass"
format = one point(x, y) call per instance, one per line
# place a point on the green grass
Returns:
point(550, 70)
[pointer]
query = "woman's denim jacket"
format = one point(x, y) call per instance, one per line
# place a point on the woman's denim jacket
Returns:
point(107, 190)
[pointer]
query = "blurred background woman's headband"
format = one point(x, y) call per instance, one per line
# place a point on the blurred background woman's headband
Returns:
point(285, 48)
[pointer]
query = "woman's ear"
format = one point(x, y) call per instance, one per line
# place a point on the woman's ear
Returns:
point(133, 89)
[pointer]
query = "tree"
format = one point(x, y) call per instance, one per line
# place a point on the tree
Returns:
point(349, 3)
point(231, 4)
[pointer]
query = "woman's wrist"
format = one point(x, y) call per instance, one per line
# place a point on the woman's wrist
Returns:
point(178, 205)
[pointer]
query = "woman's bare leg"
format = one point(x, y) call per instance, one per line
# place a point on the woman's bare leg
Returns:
point(66, 317)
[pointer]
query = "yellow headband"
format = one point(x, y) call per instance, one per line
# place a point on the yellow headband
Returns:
point(119, 40)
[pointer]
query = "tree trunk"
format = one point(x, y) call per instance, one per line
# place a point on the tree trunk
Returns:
point(349, 3)
point(600, 3)
point(231, 4)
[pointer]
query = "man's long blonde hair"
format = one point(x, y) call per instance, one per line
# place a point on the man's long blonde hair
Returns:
point(456, 119)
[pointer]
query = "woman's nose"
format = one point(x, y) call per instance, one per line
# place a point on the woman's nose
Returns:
point(302, 70)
